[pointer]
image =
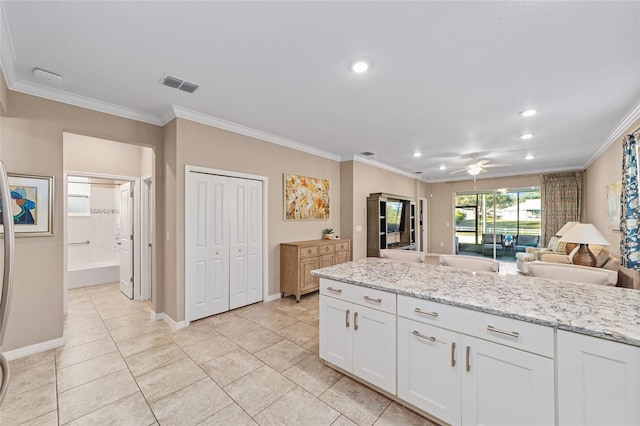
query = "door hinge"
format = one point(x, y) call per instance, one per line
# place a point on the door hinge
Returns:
point(131, 237)
point(131, 194)
point(131, 280)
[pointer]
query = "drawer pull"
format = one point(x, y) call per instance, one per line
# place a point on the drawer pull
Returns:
point(417, 333)
point(309, 251)
point(506, 333)
point(337, 290)
point(347, 318)
point(326, 249)
point(372, 300)
point(355, 321)
point(431, 314)
point(468, 360)
point(453, 354)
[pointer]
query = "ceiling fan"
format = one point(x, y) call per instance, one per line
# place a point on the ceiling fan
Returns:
point(478, 166)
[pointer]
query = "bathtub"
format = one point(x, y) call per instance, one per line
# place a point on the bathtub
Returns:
point(92, 274)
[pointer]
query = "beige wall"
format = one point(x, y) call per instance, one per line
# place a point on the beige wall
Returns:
point(204, 146)
point(440, 206)
point(32, 143)
point(94, 155)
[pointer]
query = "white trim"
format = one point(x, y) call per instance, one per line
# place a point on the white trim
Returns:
point(157, 316)
point(265, 227)
point(34, 349)
point(382, 166)
point(248, 131)
point(146, 236)
point(273, 297)
point(172, 323)
point(615, 134)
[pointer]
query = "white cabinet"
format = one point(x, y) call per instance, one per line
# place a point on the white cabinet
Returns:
point(598, 381)
point(359, 339)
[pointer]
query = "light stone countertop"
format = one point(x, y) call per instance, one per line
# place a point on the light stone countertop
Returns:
point(608, 312)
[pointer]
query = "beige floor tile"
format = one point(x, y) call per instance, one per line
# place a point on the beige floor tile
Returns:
point(257, 339)
point(86, 336)
point(276, 321)
point(91, 396)
point(77, 293)
point(359, 403)
point(29, 405)
point(235, 328)
point(283, 355)
point(132, 410)
point(254, 312)
point(231, 415)
point(215, 320)
point(231, 366)
point(49, 419)
point(193, 334)
point(31, 361)
point(31, 378)
point(192, 404)
point(396, 414)
point(125, 320)
point(297, 407)
point(69, 356)
point(153, 358)
point(135, 330)
point(313, 375)
point(73, 326)
point(299, 333)
point(142, 343)
point(259, 389)
point(313, 345)
point(163, 381)
point(209, 349)
point(86, 371)
point(344, 421)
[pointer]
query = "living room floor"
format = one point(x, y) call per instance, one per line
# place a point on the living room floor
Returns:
point(253, 365)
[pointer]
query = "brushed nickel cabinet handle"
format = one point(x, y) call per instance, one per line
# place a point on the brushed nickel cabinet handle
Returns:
point(453, 354)
point(337, 290)
point(468, 360)
point(417, 333)
point(347, 318)
point(372, 300)
point(431, 314)
point(506, 333)
point(355, 321)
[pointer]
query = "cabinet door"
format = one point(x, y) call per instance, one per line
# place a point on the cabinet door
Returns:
point(308, 281)
point(505, 386)
point(336, 317)
point(598, 381)
point(429, 366)
point(326, 260)
point(342, 257)
point(374, 347)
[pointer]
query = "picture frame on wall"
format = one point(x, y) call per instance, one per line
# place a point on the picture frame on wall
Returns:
point(31, 204)
point(306, 197)
point(614, 193)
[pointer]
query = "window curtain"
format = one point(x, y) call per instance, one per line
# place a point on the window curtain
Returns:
point(561, 195)
point(630, 204)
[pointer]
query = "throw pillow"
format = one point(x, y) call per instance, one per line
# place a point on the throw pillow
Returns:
point(561, 246)
point(553, 243)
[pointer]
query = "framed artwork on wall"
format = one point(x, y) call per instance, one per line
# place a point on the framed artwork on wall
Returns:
point(306, 198)
point(614, 191)
point(31, 204)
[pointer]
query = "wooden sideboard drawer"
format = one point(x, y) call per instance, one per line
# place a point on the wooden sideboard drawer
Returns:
point(344, 246)
point(328, 249)
point(309, 251)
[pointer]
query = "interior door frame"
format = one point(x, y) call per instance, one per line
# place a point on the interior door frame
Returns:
point(137, 295)
point(146, 240)
point(188, 169)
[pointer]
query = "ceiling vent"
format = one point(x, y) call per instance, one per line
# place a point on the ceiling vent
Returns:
point(368, 153)
point(47, 76)
point(176, 83)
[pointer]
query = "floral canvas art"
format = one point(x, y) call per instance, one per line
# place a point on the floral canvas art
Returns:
point(613, 205)
point(305, 198)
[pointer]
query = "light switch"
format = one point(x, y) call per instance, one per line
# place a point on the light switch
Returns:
point(358, 228)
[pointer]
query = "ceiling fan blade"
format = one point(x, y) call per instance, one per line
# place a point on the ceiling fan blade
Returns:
point(459, 171)
point(497, 165)
point(482, 162)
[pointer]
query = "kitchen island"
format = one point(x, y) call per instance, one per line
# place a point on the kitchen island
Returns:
point(478, 347)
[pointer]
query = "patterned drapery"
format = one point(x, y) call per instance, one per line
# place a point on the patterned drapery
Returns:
point(630, 204)
point(561, 195)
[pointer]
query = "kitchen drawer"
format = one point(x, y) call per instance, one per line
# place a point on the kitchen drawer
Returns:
point(344, 246)
point(308, 251)
point(372, 298)
point(328, 249)
point(433, 313)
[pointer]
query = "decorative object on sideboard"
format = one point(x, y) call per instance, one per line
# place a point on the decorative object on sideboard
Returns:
point(328, 233)
point(568, 248)
point(584, 234)
point(305, 198)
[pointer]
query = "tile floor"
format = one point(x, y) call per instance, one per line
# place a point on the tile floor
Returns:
point(253, 365)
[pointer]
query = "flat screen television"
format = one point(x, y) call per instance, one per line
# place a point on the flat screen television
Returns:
point(395, 217)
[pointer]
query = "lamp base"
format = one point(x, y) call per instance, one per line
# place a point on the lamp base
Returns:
point(568, 248)
point(584, 257)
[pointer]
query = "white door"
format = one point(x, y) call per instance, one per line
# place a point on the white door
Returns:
point(336, 339)
point(254, 241)
point(125, 240)
point(209, 246)
point(429, 369)
point(505, 386)
point(238, 259)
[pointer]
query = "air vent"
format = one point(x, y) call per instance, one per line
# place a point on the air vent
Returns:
point(368, 153)
point(176, 83)
point(417, 173)
point(47, 76)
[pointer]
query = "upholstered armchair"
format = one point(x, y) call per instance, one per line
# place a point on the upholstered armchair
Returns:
point(531, 254)
point(604, 260)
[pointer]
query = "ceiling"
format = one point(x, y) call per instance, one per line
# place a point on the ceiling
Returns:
point(447, 79)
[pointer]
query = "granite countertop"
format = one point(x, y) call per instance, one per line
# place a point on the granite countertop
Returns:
point(608, 312)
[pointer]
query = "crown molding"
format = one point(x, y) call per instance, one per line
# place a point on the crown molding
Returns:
point(507, 174)
point(382, 166)
point(615, 134)
point(219, 123)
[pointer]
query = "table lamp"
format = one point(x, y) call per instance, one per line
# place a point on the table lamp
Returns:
point(584, 234)
point(568, 248)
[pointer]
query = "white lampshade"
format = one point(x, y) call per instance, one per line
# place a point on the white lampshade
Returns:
point(565, 228)
point(584, 233)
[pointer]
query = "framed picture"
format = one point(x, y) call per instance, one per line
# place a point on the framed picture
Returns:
point(614, 192)
point(305, 198)
point(31, 204)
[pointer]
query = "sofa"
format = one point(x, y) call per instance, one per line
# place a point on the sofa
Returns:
point(532, 254)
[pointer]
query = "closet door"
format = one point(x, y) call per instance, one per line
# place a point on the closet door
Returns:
point(238, 275)
point(254, 241)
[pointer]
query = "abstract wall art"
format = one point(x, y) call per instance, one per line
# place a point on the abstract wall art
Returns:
point(305, 198)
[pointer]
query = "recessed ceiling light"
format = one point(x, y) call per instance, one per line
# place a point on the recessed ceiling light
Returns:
point(360, 67)
point(417, 154)
point(528, 113)
point(529, 157)
point(526, 136)
point(443, 167)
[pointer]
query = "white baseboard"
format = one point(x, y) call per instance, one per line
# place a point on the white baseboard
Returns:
point(34, 349)
point(273, 297)
point(157, 317)
point(170, 321)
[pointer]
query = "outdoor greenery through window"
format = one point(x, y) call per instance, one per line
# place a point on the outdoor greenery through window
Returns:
point(510, 218)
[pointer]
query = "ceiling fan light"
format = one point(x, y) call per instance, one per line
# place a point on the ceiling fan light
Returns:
point(474, 170)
